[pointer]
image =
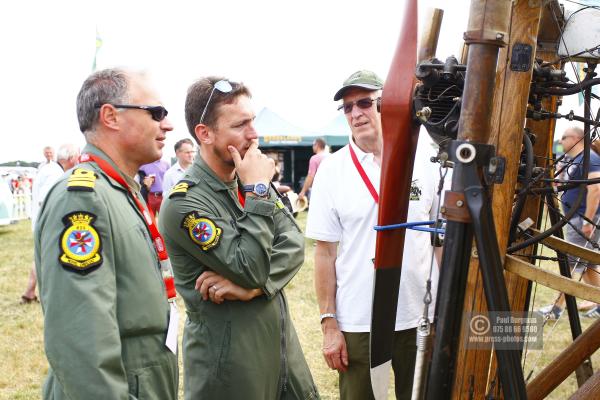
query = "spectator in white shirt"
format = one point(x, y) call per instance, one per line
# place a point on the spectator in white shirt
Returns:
point(185, 152)
point(45, 179)
point(48, 155)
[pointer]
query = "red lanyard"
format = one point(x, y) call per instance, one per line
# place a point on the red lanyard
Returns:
point(159, 244)
point(241, 198)
point(363, 175)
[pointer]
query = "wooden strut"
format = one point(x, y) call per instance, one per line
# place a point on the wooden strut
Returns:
point(589, 390)
point(552, 280)
point(574, 250)
point(428, 40)
point(566, 362)
point(473, 372)
point(531, 23)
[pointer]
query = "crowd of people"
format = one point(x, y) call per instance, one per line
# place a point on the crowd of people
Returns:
point(119, 234)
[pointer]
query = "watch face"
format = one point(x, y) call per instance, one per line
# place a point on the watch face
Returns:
point(261, 189)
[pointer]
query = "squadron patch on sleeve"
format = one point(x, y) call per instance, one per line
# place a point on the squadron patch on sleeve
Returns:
point(201, 230)
point(80, 243)
point(180, 189)
point(82, 180)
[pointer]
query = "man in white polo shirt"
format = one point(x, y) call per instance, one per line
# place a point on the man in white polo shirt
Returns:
point(185, 152)
point(341, 218)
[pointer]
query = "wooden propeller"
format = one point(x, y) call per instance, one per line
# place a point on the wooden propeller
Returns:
point(400, 135)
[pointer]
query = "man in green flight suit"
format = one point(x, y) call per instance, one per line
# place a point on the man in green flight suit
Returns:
point(106, 311)
point(234, 247)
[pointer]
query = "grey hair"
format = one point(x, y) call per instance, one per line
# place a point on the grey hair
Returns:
point(576, 130)
point(102, 87)
point(67, 151)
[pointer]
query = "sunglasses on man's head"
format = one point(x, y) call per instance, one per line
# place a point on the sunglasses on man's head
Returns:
point(158, 113)
point(223, 86)
point(363, 104)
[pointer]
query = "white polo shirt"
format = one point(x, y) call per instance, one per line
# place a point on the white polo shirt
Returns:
point(171, 177)
point(343, 210)
point(44, 180)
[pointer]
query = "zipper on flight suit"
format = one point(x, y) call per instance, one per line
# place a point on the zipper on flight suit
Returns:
point(283, 374)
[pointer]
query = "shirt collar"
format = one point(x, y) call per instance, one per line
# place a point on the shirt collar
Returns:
point(90, 148)
point(201, 169)
point(361, 155)
point(179, 167)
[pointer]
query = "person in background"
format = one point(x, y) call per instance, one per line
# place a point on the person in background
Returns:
point(46, 177)
point(318, 147)
point(583, 226)
point(185, 152)
point(153, 181)
point(235, 247)
point(48, 155)
point(110, 326)
point(341, 217)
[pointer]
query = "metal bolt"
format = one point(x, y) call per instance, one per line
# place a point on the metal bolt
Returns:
point(443, 210)
point(493, 165)
point(459, 203)
point(474, 253)
point(499, 36)
point(424, 114)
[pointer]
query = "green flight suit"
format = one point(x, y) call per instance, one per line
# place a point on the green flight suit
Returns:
point(105, 307)
point(235, 350)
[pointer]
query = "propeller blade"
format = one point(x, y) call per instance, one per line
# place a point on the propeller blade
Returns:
point(400, 135)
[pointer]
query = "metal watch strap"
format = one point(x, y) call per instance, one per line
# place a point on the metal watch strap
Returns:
point(328, 315)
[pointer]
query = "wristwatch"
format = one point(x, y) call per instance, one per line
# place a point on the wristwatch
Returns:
point(328, 315)
point(260, 189)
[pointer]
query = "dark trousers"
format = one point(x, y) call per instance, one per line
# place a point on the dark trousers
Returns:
point(355, 383)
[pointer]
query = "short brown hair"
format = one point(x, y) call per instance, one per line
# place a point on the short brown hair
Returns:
point(181, 142)
point(198, 95)
point(320, 142)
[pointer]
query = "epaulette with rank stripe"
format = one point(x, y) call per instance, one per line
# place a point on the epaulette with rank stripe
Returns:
point(180, 190)
point(82, 180)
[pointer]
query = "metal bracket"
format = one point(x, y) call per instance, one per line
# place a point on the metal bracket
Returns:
point(483, 155)
point(495, 170)
point(454, 208)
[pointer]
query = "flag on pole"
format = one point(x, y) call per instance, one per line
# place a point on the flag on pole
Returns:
point(98, 46)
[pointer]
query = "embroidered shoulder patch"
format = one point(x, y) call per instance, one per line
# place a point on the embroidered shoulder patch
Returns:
point(80, 243)
point(180, 190)
point(415, 190)
point(82, 180)
point(201, 230)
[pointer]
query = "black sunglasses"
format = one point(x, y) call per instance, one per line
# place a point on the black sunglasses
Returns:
point(363, 104)
point(158, 113)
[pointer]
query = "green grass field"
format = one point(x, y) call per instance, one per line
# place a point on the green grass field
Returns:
point(23, 364)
